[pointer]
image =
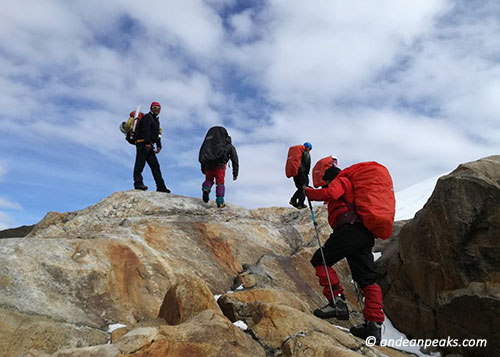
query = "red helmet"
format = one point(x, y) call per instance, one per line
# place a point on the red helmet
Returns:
point(155, 104)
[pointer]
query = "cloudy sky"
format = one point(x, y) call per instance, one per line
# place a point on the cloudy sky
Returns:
point(414, 85)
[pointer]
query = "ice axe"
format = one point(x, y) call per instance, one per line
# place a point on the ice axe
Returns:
point(321, 250)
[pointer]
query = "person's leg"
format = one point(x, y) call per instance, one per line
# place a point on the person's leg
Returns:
point(220, 190)
point(154, 165)
point(140, 162)
point(340, 244)
point(206, 186)
point(298, 197)
point(363, 272)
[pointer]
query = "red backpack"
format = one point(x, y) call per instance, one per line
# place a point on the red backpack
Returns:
point(319, 170)
point(294, 160)
point(373, 196)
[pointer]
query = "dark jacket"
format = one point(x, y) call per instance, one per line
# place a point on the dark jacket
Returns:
point(233, 156)
point(149, 130)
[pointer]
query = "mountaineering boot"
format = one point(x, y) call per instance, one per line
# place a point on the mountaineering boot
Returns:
point(140, 186)
point(220, 202)
point(163, 189)
point(206, 194)
point(293, 203)
point(369, 328)
point(330, 310)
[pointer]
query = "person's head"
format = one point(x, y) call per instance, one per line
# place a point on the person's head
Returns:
point(308, 146)
point(155, 108)
point(330, 174)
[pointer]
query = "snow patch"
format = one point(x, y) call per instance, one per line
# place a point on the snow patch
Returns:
point(113, 327)
point(240, 324)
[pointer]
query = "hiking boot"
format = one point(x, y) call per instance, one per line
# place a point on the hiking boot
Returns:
point(141, 187)
point(205, 196)
point(293, 203)
point(163, 189)
point(330, 310)
point(369, 328)
point(220, 202)
point(301, 206)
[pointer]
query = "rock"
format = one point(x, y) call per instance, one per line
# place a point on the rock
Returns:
point(235, 305)
point(445, 275)
point(16, 232)
point(25, 332)
point(273, 324)
point(136, 339)
point(314, 344)
point(94, 351)
point(207, 334)
point(115, 261)
point(186, 299)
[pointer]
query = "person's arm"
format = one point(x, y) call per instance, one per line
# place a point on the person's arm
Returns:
point(234, 160)
point(334, 191)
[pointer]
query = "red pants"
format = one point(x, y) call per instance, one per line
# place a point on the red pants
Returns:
point(218, 173)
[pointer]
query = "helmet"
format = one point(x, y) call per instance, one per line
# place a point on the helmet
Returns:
point(155, 104)
point(308, 145)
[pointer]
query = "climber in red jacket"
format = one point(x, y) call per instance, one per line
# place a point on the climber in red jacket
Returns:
point(352, 240)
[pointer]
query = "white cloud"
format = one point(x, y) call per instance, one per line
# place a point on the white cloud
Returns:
point(6, 204)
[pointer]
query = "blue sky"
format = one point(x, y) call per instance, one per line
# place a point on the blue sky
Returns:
point(412, 85)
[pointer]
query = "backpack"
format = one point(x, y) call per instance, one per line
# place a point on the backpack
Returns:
point(320, 168)
point(294, 160)
point(214, 147)
point(129, 127)
point(373, 196)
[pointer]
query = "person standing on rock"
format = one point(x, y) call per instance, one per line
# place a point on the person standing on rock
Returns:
point(215, 152)
point(298, 165)
point(148, 134)
point(352, 240)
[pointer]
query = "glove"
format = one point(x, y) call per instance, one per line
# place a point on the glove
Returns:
point(158, 149)
point(235, 177)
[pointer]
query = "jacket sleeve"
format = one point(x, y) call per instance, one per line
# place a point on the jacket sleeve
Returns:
point(334, 191)
point(146, 128)
point(234, 160)
point(158, 141)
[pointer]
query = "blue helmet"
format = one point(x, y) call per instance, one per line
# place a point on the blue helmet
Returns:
point(308, 145)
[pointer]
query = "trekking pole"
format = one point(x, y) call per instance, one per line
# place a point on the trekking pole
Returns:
point(321, 250)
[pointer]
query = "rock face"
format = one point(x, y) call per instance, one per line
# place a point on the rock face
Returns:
point(445, 273)
point(135, 256)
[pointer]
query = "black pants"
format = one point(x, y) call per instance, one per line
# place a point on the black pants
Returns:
point(299, 197)
point(142, 156)
point(354, 242)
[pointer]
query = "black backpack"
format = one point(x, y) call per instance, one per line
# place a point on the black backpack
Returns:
point(214, 147)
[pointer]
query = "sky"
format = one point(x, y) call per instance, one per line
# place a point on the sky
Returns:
point(413, 85)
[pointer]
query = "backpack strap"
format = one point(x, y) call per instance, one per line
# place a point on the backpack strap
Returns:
point(350, 216)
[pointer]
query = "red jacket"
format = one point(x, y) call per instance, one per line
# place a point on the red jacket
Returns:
point(339, 187)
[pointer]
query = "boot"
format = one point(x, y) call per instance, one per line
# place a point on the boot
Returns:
point(163, 189)
point(369, 328)
point(206, 194)
point(330, 310)
point(140, 186)
point(220, 202)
